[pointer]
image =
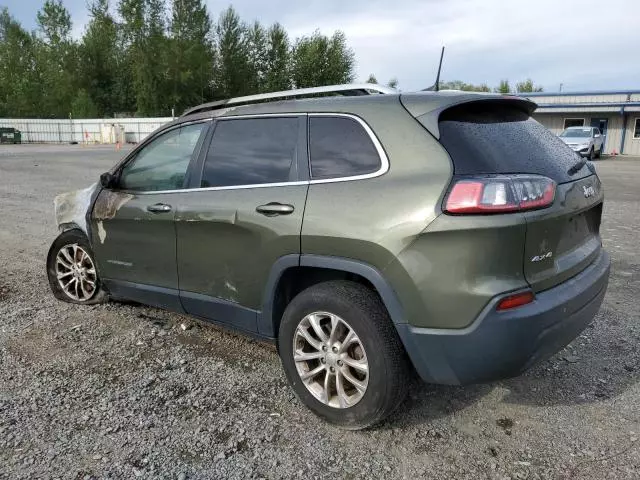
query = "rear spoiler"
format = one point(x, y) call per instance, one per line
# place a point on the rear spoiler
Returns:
point(427, 107)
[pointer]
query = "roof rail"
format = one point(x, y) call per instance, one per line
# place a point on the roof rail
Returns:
point(353, 89)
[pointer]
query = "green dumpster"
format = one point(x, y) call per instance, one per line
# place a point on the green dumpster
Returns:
point(10, 135)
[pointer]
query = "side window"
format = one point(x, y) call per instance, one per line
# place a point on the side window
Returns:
point(251, 151)
point(162, 164)
point(596, 132)
point(340, 147)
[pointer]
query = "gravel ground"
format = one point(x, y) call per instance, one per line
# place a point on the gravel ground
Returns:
point(123, 391)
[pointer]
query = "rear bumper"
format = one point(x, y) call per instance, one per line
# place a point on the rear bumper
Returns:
point(504, 344)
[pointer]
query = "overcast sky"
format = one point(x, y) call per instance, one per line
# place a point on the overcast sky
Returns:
point(583, 44)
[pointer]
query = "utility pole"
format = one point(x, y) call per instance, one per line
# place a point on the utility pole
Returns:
point(561, 87)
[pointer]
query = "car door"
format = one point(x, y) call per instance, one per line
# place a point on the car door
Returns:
point(133, 231)
point(246, 215)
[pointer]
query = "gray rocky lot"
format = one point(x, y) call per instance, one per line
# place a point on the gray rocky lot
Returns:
point(124, 391)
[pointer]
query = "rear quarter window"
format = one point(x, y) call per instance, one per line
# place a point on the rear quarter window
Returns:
point(340, 147)
point(495, 137)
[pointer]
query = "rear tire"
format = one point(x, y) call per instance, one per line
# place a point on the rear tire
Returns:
point(71, 270)
point(352, 307)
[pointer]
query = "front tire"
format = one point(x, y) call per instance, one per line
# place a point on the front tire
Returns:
point(342, 355)
point(71, 270)
point(592, 154)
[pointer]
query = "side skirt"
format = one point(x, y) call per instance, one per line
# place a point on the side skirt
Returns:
point(213, 310)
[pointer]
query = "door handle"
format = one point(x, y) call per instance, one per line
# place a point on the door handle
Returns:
point(159, 207)
point(274, 208)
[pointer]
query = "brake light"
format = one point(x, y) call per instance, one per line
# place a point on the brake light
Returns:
point(501, 194)
point(517, 300)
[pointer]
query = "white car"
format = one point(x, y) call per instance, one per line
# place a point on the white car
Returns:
point(587, 141)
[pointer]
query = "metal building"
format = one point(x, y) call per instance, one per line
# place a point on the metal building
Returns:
point(617, 114)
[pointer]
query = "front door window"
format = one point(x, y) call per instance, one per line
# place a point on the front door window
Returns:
point(162, 164)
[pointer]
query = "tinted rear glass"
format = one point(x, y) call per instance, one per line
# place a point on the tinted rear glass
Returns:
point(251, 151)
point(340, 147)
point(492, 137)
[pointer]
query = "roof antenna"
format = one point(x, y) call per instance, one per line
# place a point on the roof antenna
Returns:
point(436, 86)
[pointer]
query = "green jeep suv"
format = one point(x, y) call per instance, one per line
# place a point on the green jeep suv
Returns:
point(365, 232)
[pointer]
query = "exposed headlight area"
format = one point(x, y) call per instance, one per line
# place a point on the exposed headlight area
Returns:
point(579, 147)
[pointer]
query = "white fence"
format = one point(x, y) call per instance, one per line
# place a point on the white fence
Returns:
point(94, 130)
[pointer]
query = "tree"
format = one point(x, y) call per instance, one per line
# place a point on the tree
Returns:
point(190, 64)
point(233, 65)
point(153, 98)
point(56, 58)
point(142, 58)
point(21, 92)
point(372, 79)
point(527, 86)
point(504, 87)
point(82, 106)
point(99, 63)
point(54, 22)
point(393, 83)
point(146, 43)
point(131, 38)
point(277, 74)
point(256, 39)
point(340, 60)
point(318, 60)
point(467, 87)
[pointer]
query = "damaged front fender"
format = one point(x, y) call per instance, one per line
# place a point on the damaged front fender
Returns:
point(71, 208)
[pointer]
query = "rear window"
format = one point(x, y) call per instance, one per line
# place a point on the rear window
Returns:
point(492, 137)
point(340, 147)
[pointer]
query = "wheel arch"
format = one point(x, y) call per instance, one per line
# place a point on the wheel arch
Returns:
point(291, 274)
point(64, 227)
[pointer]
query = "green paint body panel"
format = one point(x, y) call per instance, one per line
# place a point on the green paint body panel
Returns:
point(563, 229)
point(444, 270)
point(458, 264)
point(136, 246)
point(226, 249)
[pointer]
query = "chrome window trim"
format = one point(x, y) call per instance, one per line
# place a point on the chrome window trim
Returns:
point(259, 115)
point(384, 160)
point(233, 187)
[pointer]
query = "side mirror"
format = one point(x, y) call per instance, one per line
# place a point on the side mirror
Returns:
point(597, 135)
point(108, 180)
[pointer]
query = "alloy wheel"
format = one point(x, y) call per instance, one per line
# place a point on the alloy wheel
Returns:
point(76, 272)
point(331, 360)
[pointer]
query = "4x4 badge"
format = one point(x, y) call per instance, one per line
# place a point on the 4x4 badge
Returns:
point(588, 191)
point(544, 256)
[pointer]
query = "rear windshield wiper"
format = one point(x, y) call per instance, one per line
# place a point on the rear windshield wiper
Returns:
point(576, 167)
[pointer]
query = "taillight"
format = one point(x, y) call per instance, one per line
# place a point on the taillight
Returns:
point(500, 194)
